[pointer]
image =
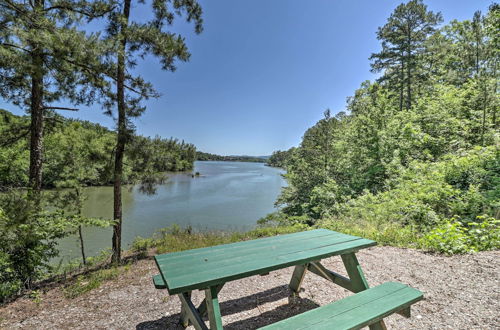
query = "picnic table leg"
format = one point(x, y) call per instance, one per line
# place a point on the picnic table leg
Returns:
point(189, 314)
point(213, 309)
point(297, 278)
point(184, 320)
point(202, 308)
point(358, 281)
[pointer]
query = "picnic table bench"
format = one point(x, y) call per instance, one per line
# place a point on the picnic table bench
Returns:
point(210, 268)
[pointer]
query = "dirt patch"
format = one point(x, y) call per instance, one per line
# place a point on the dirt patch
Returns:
point(461, 292)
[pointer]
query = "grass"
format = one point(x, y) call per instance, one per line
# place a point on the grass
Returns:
point(384, 233)
point(91, 281)
point(173, 239)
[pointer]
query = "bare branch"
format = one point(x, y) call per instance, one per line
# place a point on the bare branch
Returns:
point(83, 12)
point(59, 108)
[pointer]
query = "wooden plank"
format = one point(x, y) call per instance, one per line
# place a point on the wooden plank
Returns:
point(356, 311)
point(297, 277)
point(316, 268)
point(213, 309)
point(369, 314)
point(209, 262)
point(211, 277)
point(283, 252)
point(256, 266)
point(244, 244)
point(159, 282)
point(231, 254)
point(191, 312)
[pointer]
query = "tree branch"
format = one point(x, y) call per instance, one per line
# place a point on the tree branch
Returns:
point(15, 46)
point(59, 108)
point(83, 12)
point(16, 8)
point(91, 70)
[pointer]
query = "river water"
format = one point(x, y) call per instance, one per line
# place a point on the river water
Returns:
point(226, 196)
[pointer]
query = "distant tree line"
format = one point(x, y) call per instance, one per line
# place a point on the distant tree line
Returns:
point(207, 156)
point(75, 146)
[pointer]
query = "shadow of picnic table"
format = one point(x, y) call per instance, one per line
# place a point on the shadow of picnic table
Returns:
point(299, 305)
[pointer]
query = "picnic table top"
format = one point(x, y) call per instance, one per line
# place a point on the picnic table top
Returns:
point(211, 266)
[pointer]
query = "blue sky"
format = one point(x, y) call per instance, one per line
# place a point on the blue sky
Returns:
point(264, 71)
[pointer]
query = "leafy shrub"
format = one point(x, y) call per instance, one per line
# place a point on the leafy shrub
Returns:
point(452, 236)
point(9, 283)
point(28, 241)
point(384, 233)
point(281, 219)
point(175, 238)
point(484, 234)
point(141, 246)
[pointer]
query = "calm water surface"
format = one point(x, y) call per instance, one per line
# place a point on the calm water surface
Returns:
point(227, 196)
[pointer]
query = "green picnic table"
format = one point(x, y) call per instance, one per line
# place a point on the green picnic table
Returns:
point(210, 268)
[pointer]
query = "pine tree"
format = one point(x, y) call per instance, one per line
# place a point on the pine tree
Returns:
point(41, 57)
point(133, 40)
point(403, 39)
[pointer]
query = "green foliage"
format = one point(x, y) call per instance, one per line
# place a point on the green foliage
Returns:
point(448, 238)
point(484, 234)
point(383, 168)
point(28, 239)
point(279, 158)
point(278, 219)
point(14, 152)
point(426, 193)
point(41, 42)
point(140, 246)
point(403, 38)
point(80, 152)
point(384, 233)
point(36, 296)
point(9, 282)
point(452, 236)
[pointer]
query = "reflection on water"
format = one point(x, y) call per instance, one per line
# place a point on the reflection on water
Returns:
point(227, 196)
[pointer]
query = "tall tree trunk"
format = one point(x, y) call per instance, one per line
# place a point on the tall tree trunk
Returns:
point(80, 233)
point(82, 247)
point(485, 102)
point(402, 80)
point(408, 84)
point(408, 69)
point(495, 108)
point(121, 137)
point(36, 111)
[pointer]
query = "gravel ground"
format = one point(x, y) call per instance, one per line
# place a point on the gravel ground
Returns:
point(461, 292)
